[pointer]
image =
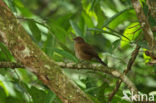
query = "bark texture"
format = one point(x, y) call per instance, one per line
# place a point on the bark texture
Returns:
point(144, 23)
point(13, 35)
point(152, 7)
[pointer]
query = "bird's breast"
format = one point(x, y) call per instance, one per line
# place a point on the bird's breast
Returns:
point(80, 54)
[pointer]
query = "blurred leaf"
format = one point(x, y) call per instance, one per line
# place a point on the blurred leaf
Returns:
point(24, 74)
point(115, 16)
point(49, 45)
point(155, 68)
point(95, 100)
point(101, 97)
point(142, 2)
point(64, 47)
point(145, 9)
point(92, 4)
point(82, 25)
point(59, 32)
point(143, 44)
point(132, 32)
point(63, 21)
point(5, 53)
point(36, 93)
point(88, 20)
point(99, 42)
point(115, 44)
point(2, 94)
point(118, 98)
point(151, 82)
point(76, 28)
point(146, 58)
point(4, 88)
point(7, 86)
point(50, 97)
point(36, 33)
point(66, 54)
point(102, 31)
point(100, 15)
point(109, 4)
point(22, 94)
point(10, 5)
point(152, 20)
point(14, 100)
point(23, 10)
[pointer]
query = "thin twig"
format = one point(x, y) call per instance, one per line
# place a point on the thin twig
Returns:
point(12, 65)
point(130, 63)
point(117, 33)
point(41, 22)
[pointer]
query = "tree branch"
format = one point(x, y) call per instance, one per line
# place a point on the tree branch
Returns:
point(130, 63)
point(80, 66)
point(12, 65)
point(144, 23)
point(152, 8)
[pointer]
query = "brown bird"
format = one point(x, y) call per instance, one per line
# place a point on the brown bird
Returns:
point(85, 51)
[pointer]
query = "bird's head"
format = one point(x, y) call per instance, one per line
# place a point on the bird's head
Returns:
point(79, 39)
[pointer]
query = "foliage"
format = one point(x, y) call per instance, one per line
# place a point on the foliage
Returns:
point(111, 26)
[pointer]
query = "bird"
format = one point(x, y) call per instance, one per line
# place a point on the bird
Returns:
point(85, 51)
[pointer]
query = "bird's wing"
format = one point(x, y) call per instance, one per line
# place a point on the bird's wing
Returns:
point(89, 50)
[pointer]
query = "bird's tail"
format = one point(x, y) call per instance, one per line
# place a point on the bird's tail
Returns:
point(101, 61)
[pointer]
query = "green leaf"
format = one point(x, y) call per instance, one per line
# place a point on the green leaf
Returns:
point(115, 44)
point(155, 68)
point(114, 16)
point(36, 93)
point(88, 20)
point(5, 53)
point(82, 24)
point(4, 88)
point(99, 42)
point(100, 15)
point(49, 45)
point(132, 32)
point(92, 4)
point(76, 28)
point(10, 5)
point(64, 47)
point(50, 97)
point(145, 9)
point(36, 33)
point(94, 99)
point(23, 10)
point(102, 31)
point(146, 58)
point(143, 44)
point(24, 74)
point(3, 95)
point(152, 20)
point(6, 85)
point(123, 18)
point(63, 21)
point(12, 99)
point(59, 32)
point(66, 54)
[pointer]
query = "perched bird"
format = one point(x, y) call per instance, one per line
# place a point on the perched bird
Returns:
point(85, 51)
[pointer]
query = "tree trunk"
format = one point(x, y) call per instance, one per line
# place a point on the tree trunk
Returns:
point(13, 35)
point(152, 6)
